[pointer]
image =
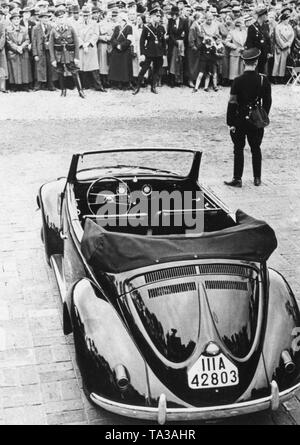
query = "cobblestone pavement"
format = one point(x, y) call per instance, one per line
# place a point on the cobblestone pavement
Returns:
point(39, 379)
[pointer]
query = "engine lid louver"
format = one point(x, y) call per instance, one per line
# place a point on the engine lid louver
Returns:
point(202, 269)
point(226, 285)
point(171, 289)
point(171, 272)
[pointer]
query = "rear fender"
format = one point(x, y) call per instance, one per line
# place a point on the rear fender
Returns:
point(49, 200)
point(282, 327)
point(108, 343)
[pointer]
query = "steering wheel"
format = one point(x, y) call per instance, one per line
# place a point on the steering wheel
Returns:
point(98, 195)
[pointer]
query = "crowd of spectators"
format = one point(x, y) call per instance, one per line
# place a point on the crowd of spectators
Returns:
point(203, 41)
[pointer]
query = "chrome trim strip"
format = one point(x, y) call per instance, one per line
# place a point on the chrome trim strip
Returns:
point(175, 414)
point(59, 278)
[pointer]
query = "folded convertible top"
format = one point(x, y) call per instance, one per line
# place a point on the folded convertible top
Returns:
point(250, 239)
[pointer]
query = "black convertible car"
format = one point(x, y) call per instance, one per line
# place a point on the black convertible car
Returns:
point(174, 312)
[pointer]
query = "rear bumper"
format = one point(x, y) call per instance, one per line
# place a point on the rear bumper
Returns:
point(161, 414)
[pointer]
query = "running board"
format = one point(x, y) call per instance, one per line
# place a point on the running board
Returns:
point(56, 262)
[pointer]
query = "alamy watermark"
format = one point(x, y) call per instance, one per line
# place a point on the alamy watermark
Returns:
point(155, 209)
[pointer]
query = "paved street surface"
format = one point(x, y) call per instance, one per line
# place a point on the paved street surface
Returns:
point(39, 378)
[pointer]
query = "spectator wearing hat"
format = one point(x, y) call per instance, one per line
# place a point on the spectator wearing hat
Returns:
point(3, 61)
point(64, 51)
point(44, 71)
point(5, 9)
point(140, 7)
point(236, 12)
point(235, 41)
point(258, 36)
point(88, 34)
point(131, 5)
point(136, 37)
point(178, 33)
point(225, 26)
point(244, 92)
point(283, 40)
point(95, 14)
point(28, 21)
point(195, 46)
point(153, 48)
point(120, 67)
point(106, 28)
point(74, 18)
point(18, 61)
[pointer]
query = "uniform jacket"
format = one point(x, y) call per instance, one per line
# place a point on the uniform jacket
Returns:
point(152, 42)
point(88, 34)
point(245, 89)
point(259, 37)
point(63, 44)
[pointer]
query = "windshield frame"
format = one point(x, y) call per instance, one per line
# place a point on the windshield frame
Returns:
point(72, 175)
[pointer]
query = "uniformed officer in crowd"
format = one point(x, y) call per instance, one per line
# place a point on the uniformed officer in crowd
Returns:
point(258, 36)
point(64, 51)
point(153, 48)
point(245, 90)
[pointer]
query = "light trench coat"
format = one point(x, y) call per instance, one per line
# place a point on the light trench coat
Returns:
point(283, 39)
point(88, 33)
point(105, 33)
point(235, 41)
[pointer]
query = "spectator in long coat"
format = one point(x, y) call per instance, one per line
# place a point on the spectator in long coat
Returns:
point(88, 34)
point(106, 28)
point(120, 69)
point(44, 71)
point(178, 40)
point(236, 40)
point(136, 32)
point(3, 62)
point(224, 28)
point(283, 40)
point(18, 42)
point(195, 42)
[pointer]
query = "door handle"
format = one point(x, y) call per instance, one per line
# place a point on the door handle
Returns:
point(63, 235)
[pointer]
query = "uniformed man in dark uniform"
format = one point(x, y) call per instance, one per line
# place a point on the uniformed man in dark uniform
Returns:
point(64, 51)
point(259, 37)
point(153, 48)
point(245, 90)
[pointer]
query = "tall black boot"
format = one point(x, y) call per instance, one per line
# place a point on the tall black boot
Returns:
point(62, 85)
point(97, 82)
point(153, 87)
point(78, 85)
point(138, 86)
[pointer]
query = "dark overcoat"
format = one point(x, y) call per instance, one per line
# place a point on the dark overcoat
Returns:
point(120, 68)
point(195, 44)
point(40, 48)
point(177, 33)
point(19, 67)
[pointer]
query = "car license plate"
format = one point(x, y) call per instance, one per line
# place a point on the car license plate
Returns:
point(213, 372)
